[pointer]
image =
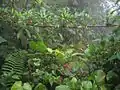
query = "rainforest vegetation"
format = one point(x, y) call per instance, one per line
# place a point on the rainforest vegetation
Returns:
point(49, 47)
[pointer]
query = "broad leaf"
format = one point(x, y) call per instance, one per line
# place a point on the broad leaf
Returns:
point(74, 80)
point(87, 85)
point(100, 76)
point(17, 86)
point(38, 46)
point(62, 87)
point(27, 86)
point(40, 86)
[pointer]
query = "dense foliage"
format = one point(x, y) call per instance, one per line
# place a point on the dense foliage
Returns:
point(54, 49)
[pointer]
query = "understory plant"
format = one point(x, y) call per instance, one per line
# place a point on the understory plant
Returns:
point(49, 49)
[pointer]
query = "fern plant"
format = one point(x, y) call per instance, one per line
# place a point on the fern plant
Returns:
point(13, 68)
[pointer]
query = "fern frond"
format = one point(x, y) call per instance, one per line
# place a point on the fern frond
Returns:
point(14, 62)
point(14, 65)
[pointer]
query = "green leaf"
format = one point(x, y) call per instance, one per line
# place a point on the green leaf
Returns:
point(51, 80)
point(27, 86)
point(103, 87)
point(74, 80)
point(40, 86)
point(62, 87)
point(17, 86)
point(60, 56)
point(118, 55)
point(94, 87)
point(19, 34)
point(113, 57)
point(38, 46)
point(90, 50)
point(100, 76)
point(111, 76)
point(32, 45)
point(2, 40)
point(49, 50)
point(15, 77)
point(87, 85)
point(28, 33)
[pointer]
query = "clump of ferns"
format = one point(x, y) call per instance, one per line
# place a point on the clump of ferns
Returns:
point(13, 68)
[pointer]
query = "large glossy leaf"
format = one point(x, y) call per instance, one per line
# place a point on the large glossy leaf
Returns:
point(40, 86)
point(17, 86)
point(62, 87)
point(87, 85)
point(27, 86)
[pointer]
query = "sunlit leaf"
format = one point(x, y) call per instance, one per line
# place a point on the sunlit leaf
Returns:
point(74, 80)
point(87, 85)
point(49, 50)
point(27, 86)
point(38, 46)
point(60, 56)
point(17, 86)
point(62, 87)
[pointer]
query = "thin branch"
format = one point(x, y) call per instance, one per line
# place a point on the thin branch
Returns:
point(45, 26)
